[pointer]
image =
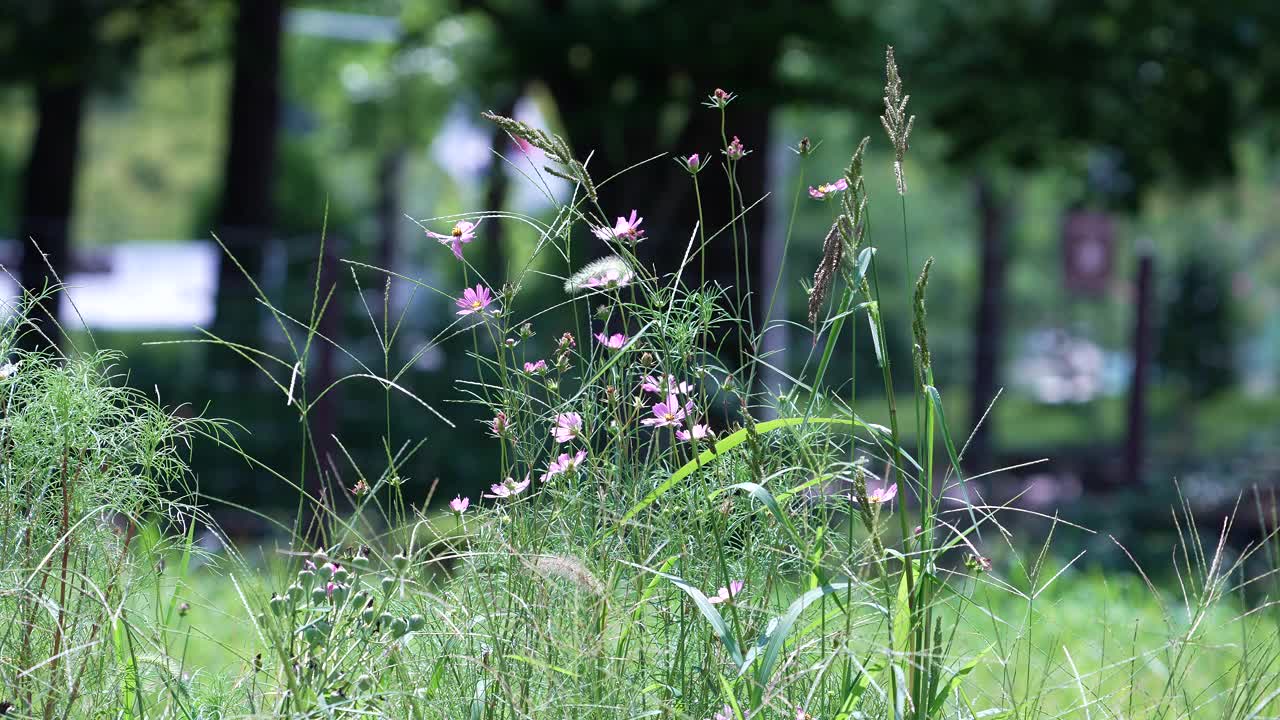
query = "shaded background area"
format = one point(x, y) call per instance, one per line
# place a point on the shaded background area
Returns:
point(1061, 148)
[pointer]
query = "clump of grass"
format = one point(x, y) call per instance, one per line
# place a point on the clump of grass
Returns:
point(653, 546)
point(90, 472)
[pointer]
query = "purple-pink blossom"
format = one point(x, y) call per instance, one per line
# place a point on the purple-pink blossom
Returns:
point(568, 425)
point(459, 504)
point(566, 464)
point(882, 494)
point(726, 713)
point(696, 432)
point(665, 385)
point(507, 488)
point(533, 368)
point(825, 189)
point(474, 301)
point(668, 413)
point(463, 232)
point(725, 594)
point(613, 342)
point(624, 229)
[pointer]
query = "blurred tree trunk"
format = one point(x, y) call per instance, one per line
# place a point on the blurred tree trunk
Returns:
point(247, 211)
point(322, 371)
point(989, 319)
point(389, 218)
point(48, 194)
point(494, 261)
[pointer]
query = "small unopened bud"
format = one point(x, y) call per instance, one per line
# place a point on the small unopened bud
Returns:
point(417, 622)
point(339, 594)
point(183, 609)
point(278, 605)
point(399, 627)
point(364, 683)
point(295, 593)
point(319, 594)
point(735, 150)
point(720, 98)
point(316, 632)
point(388, 584)
point(400, 562)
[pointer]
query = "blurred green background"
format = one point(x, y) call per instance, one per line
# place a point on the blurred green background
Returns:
point(1057, 143)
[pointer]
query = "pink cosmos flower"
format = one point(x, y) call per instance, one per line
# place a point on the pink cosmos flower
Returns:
point(613, 342)
point(668, 413)
point(507, 488)
point(697, 432)
point(564, 465)
point(474, 301)
point(725, 594)
point(825, 189)
point(624, 229)
point(735, 151)
point(463, 232)
point(459, 504)
point(882, 494)
point(665, 386)
point(533, 368)
point(568, 425)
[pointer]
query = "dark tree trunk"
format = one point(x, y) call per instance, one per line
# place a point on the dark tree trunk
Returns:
point(324, 415)
point(989, 320)
point(494, 261)
point(390, 219)
point(246, 212)
point(1135, 440)
point(48, 193)
point(390, 178)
